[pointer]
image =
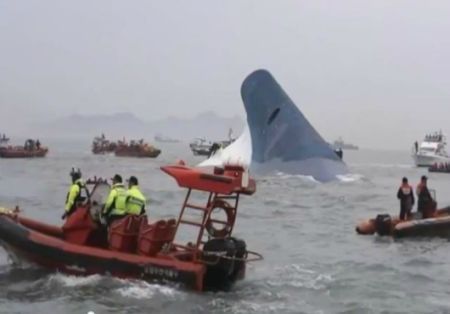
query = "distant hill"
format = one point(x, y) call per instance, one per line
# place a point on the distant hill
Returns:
point(207, 124)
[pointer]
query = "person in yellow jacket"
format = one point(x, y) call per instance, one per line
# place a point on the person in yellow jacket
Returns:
point(115, 206)
point(75, 194)
point(135, 203)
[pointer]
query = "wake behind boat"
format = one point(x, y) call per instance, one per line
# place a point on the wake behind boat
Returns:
point(432, 150)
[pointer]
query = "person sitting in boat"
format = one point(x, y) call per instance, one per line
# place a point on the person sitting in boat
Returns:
point(425, 201)
point(406, 196)
point(115, 206)
point(38, 144)
point(29, 145)
point(77, 193)
point(135, 202)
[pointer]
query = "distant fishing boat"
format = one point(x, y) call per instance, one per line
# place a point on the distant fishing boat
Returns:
point(164, 139)
point(340, 144)
point(203, 147)
point(100, 145)
point(31, 149)
point(136, 149)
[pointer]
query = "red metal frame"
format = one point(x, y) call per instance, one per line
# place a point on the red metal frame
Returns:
point(223, 184)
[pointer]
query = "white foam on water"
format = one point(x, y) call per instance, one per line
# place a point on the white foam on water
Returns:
point(298, 277)
point(351, 177)
point(247, 306)
point(74, 281)
point(286, 176)
point(145, 290)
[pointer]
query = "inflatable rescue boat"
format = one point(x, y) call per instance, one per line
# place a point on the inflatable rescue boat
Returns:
point(436, 224)
point(136, 149)
point(135, 247)
point(442, 168)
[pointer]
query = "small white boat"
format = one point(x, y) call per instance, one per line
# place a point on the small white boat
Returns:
point(203, 147)
point(340, 144)
point(432, 150)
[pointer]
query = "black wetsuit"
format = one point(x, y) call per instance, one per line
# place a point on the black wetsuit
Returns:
point(406, 197)
point(424, 199)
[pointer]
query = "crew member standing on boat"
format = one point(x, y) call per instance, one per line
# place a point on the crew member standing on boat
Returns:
point(424, 199)
point(135, 203)
point(406, 196)
point(74, 196)
point(115, 206)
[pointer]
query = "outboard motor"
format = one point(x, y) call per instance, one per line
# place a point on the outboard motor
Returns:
point(226, 262)
point(383, 224)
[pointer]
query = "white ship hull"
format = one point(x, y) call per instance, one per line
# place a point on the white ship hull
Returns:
point(427, 160)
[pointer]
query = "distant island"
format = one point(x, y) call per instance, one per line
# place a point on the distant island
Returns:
point(206, 124)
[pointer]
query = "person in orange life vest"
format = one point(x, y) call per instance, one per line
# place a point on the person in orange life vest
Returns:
point(424, 198)
point(406, 196)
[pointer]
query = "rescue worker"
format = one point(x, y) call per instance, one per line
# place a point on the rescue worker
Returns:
point(115, 206)
point(406, 196)
point(77, 193)
point(135, 203)
point(424, 199)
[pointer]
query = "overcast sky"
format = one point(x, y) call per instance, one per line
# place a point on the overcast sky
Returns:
point(375, 72)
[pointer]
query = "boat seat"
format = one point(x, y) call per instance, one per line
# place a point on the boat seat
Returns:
point(78, 226)
point(123, 233)
point(152, 237)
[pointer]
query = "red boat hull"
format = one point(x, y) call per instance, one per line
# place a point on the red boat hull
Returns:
point(140, 153)
point(55, 253)
point(22, 153)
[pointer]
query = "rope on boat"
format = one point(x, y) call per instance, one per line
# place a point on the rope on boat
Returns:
point(219, 255)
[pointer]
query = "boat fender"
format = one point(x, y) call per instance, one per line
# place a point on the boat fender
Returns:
point(230, 213)
point(383, 224)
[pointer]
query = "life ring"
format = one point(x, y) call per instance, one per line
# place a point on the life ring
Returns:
point(230, 213)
